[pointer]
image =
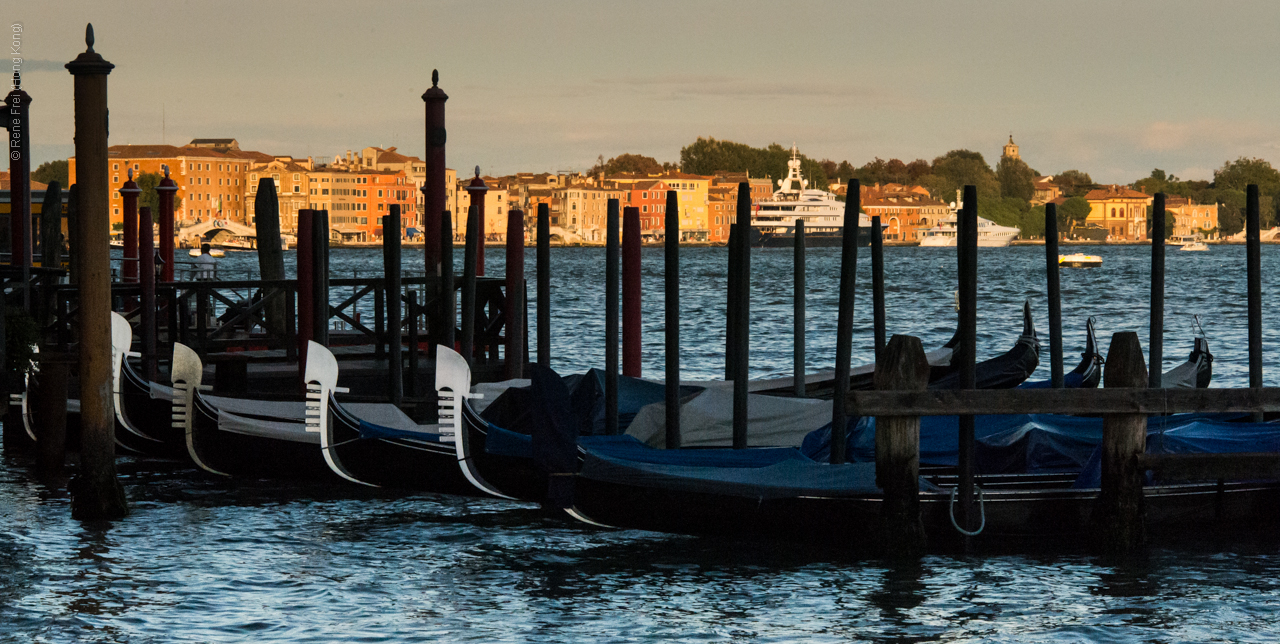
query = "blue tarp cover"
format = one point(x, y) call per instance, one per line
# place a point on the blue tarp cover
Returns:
point(370, 430)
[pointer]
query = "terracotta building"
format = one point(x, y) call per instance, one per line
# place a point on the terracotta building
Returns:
point(1121, 211)
point(1191, 218)
point(904, 210)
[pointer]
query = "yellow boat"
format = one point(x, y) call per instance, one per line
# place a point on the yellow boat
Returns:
point(1080, 260)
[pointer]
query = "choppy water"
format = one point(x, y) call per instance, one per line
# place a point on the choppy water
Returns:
point(201, 560)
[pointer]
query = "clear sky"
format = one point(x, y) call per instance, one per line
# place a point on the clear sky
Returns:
point(1113, 89)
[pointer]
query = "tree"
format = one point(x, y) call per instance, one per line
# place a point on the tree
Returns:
point(632, 163)
point(1074, 183)
point(917, 169)
point(957, 168)
point(845, 171)
point(708, 156)
point(147, 182)
point(1017, 179)
point(1230, 183)
point(1072, 213)
point(51, 171)
point(1005, 211)
point(1033, 222)
point(1169, 222)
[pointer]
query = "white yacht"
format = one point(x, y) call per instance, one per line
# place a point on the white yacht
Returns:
point(773, 224)
point(990, 234)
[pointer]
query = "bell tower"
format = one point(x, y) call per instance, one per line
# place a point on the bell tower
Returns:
point(1011, 148)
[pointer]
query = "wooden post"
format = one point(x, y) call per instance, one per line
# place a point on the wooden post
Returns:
point(469, 286)
point(434, 190)
point(477, 190)
point(742, 317)
point(731, 304)
point(306, 290)
point(266, 220)
point(129, 258)
point(320, 276)
point(877, 284)
point(1253, 260)
point(544, 285)
point(611, 297)
point(18, 122)
point(1118, 515)
point(448, 305)
point(49, 402)
point(50, 245)
point(96, 494)
point(147, 280)
point(1055, 295)
point(967, 272)
point(631, 292)
point(411, 312)
point(671, 276)
point(515, 294)
point(73, 232)
point(1156, 338)
point(799, 318)
point(165, 191)
point(902, 367)
point(391, 272)
point(844, 321)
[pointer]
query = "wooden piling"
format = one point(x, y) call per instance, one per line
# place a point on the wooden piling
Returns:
point(612, 269)
point(1253, 261)
point(434, 190)
point(844, 321)
point(320, 276)
point(96, 493)
point(411, 312)
point(631, 292)
point(799, 318)
point(129, 257)
point(1118, 513)
point(306, 292)
point(515, 294)
point(1156, 338)
point(165, 191)
point(544, 285)
point(18, 122)
point(671, 277)
point(266, 221)
point(51, 226)
point(73, 233)
point(877, 284)
point(1054, 285)
point(147, 280)
point(742, 317)
point(48, 399)
point(967, 273)
point(469, 285)
point(731, 304)
point(477, 190)
point(448, 304)
point(903, 366)
point(391, 266)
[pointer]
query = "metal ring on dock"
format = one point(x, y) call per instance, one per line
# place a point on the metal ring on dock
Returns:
point(982, 512)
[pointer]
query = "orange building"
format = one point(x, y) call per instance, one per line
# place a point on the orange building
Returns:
point(1121, 211)
point(903, 210)
point(358, 198)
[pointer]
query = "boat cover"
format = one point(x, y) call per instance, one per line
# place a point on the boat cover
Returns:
point(1205, 434)
point(279, 430)
point(707, 419)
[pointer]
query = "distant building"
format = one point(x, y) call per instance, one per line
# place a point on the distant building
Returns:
point(1011, 149)
point(650, 198)
point(1191, 218)
point(1044, 190)
point(904, 210)
point(218, 145)
point(357, 197)
point(692, 190)
point(292, 190)
point(1121, 211)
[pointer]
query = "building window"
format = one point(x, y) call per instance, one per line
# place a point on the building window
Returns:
point(115, 166)
point(115, 179)
point(297, 177)
point(379, 193)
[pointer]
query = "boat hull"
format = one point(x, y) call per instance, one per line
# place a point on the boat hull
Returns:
point(220, 451)
point(813, 238)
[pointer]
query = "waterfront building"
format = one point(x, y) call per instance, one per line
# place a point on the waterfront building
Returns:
point(903, 210)
point(357, 197)
point(650, 198)
point(586, 207)
point(292, 189)
point(1191, 218)
point(495, 210)
point(1121, 211)
point(693, 197)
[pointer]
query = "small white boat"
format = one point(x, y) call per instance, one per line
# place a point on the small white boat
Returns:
point(1080, 260)
point(1196, 245)
point(213, 252)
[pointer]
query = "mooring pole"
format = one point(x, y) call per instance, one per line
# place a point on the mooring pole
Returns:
point(844, 321)
point(544, 285)
point(515, 294)
point(395, 327)
point(50, 246)
point(477, 190)
point(165, 191)
point(469, 286)
point(1253, 259)
point(266, 221)
point(1156, 367)
point(877, 283)
point(129, 258)
point(631, 292)
point(731, 304)
point(742, 317)
point(320, 276)
point(448, 304)
point(18, 122)
point(903, 366)
point(48, 397)
point(434, 190)
point(671, 276)
point(798, 315)
point(1055, 294)
point(611, 296)
point(306, 291)
point(147, 279)
point(967, 259)
point(1118, 512)
point(97, 494)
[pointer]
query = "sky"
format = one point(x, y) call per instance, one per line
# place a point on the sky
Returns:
point(1112, 89)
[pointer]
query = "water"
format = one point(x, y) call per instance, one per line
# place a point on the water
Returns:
point(203, 560)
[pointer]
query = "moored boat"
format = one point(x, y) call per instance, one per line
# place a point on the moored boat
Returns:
point(1080, 260)
point(773, 222)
